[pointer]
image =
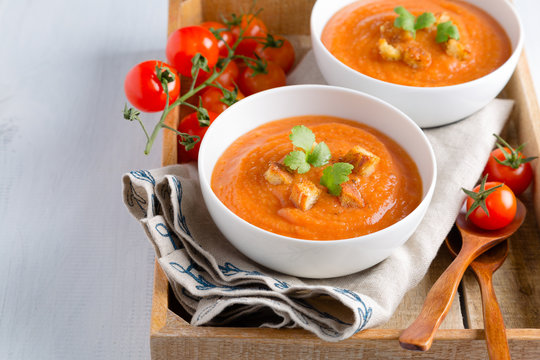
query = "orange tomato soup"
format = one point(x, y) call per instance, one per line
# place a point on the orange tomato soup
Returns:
point(351, 35)
point(391, 192)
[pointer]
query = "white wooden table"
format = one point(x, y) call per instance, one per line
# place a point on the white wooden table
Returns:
point(76, 270)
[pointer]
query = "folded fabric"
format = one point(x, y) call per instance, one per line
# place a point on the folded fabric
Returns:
point(217, 285)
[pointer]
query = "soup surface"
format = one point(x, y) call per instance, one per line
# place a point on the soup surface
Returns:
point(352, 35)
point(390, 192)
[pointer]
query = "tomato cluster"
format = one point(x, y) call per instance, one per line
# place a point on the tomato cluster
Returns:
point(225, 62)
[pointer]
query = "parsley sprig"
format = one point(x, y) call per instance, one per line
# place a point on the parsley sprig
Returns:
point(310, 153)
point(335, 175)
point(445, 31)
point(408, 22)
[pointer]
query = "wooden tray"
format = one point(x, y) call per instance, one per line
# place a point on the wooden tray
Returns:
point(461, 335)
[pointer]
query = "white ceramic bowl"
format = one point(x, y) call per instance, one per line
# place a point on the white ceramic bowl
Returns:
point(427, 106)
point(309, 258)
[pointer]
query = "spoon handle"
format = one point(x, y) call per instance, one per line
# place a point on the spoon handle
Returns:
point(497, 344)
point(419, 335)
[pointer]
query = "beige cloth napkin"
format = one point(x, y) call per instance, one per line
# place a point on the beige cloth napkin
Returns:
point(219, 286)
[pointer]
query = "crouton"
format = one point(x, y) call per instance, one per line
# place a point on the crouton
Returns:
point(416, 57)
point(441, 18)
point(457, 49)
point(364, 162)
point(304, 194)
point(393, 34)
point(388, 52)
point(350, 196)
point(277, 174)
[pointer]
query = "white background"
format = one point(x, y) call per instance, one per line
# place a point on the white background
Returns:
point(76, 270)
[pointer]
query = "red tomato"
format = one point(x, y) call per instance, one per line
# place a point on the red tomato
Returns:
point(282, 55)
point(517, 179)
point(229, 76)
point(501, 205)
point(250, 82)
point(144, 90)
point(211, 99)
point(190, 125)
point(254, 27)
point(227, 36)
point(185, 42)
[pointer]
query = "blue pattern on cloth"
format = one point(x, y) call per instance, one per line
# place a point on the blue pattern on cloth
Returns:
point(181, 218)
point(164, 231)
point(198, 277)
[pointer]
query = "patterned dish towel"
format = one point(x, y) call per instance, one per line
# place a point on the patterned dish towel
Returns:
point(217, 285)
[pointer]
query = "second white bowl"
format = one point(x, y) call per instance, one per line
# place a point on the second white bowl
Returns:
point(427, 106)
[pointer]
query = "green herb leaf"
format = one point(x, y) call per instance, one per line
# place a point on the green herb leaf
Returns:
point(202, 115)
point(189, 141)
point(164, 75)
point(445, 31)
point(199, 62)
point(320, 155)
point(131, 113)
point(480, 197)
point(229, 97)
point(333, 176)
point(272, 42)
point(297, 160)
point(405, 20)
point(302, 137)
point(258, 65)
point(234, 21)
point(512, 157)
point(424, 21)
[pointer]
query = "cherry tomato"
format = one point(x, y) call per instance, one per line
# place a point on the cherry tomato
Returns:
point(227, 36)
point(279, 51)
point(185, 42)
point(190, 125)
point(501, 205)
point(229, 76)
point(144, 90)
point(251, 82)
point(517, 179)
point(254, 27)
point(211, 99)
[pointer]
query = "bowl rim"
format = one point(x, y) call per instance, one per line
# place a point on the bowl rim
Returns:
point(516, 52)
point(204, 181)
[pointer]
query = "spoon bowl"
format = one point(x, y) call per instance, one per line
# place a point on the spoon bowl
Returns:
point(486, 239)
point(491, 260)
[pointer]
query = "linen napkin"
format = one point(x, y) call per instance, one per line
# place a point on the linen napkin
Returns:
point(217, 285)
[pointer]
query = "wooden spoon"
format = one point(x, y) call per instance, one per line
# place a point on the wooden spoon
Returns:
point(483, 267)
point(419, 335)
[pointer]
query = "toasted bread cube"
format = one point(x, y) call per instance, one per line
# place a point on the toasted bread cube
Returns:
point(457, 49)
point(277, 174)
point(441, 18)
point(393, 34)
point(416, 57)
point(350, 195)
point(304, 194)
point(364, 162)
point(388, 52)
